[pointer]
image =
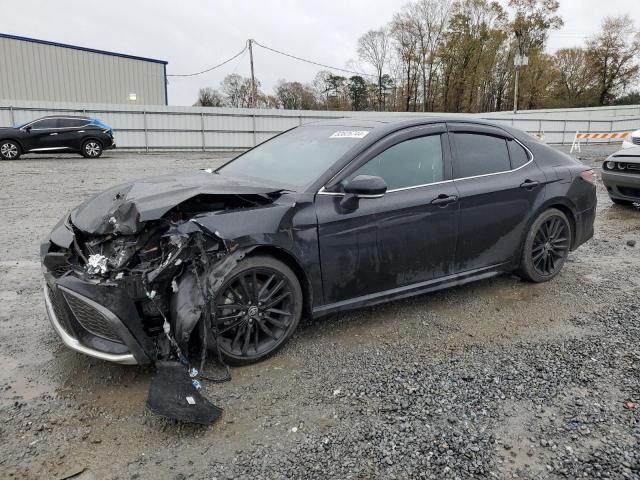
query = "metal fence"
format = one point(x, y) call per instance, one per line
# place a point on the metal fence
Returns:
point(202, 128)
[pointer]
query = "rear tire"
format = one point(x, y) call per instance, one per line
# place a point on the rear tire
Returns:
point(257, 309)
point(91, 149)
point(9, 150)
point(546, 247)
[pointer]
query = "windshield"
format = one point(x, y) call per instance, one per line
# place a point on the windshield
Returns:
point(295, 158)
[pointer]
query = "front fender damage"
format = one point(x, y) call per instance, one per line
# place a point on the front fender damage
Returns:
point(175, 388)
point(194, 291)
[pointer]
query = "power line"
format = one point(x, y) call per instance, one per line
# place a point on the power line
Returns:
point(311, 61)
point(212, 68)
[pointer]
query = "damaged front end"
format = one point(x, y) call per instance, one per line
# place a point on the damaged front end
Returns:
point(129, 276)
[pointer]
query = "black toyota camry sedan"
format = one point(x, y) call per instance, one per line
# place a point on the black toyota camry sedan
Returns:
point(57, 134)
point(322, 218)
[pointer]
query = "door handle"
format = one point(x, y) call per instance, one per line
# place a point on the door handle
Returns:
point(529, 184)
point(443, 200)
point(54, 133)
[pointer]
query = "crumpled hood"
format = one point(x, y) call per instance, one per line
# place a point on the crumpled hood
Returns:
point(125, 208)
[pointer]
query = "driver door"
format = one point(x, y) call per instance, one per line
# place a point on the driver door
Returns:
point(406, 236)
point(42, 135)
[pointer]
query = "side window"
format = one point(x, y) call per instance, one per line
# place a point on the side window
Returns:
point(479, 154)
point(519, 155)
point(45, 123)
point(71, 122)
point(417, 161)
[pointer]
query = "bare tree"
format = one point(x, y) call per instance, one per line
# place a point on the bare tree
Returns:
point(574, 78)
point(209, 97)
point(373, 48)
point(612, 56)
point(406, 49)
point(428, 21)
point(295, 96)
point(237, 90)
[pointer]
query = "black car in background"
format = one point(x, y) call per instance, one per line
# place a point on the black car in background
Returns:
point(57, 134)
point(323, 218)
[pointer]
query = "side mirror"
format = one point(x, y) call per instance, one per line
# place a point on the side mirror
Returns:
point(362, 186)
point(27, 129)
point(366, 186)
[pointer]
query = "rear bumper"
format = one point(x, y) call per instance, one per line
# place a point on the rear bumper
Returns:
point(584, 226)
point(623, 186)
point(97, 320)
point(110, 146)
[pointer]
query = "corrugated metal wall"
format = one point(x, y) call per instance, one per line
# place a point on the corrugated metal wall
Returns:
point(200, 128)
point(38, 71)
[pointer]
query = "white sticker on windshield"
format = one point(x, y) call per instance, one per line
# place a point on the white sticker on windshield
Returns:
point(350, 134)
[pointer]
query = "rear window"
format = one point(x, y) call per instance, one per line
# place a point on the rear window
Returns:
point(519, 155)
point(480, 154)
point(72, 122)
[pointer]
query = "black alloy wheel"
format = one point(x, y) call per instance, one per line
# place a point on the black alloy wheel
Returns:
point(546, 247)
point(257, 309)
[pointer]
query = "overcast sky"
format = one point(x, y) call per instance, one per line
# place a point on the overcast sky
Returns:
point(193, 35)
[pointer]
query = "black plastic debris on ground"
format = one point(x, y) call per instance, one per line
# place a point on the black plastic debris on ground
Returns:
point(172, 395)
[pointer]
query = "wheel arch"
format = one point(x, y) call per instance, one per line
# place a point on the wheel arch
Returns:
point(559, 203)
point(290, 260)
point(91, 137)
point(13, 139)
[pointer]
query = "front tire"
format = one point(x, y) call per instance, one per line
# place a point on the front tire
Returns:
point(91, 149)
point(546, 247)
point(256, 310)
point(9, 150)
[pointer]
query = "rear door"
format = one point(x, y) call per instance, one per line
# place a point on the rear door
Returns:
point(406, 236)
point(69, 133)
point(499, 186)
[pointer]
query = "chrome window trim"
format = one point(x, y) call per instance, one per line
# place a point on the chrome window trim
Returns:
point(54, 128)
point(322, 191)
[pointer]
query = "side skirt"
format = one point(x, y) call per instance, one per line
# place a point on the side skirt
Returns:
point(412, 290)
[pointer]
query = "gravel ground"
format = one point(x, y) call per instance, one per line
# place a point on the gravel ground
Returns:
point(497, 379)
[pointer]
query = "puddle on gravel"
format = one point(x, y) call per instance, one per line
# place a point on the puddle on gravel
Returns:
point(16, 384)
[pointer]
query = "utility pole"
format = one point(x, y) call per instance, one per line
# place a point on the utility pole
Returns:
point(519, 61)
point(253, 78)
point(515, 89)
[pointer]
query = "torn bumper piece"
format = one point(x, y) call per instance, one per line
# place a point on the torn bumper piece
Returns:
point(172, 395)
point(97, 320)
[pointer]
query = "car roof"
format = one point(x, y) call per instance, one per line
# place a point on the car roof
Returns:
point(392, 121)
point(81, 117)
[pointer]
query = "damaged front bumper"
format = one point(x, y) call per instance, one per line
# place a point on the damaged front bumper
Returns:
point(97, 320)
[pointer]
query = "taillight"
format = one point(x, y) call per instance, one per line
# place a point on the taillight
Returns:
point(589, 176)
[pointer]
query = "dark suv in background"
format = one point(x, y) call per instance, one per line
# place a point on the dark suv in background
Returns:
point(57, 134)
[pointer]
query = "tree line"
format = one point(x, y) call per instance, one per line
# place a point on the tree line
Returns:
point(459, 56)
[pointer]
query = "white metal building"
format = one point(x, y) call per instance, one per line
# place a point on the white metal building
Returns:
point(48, 71)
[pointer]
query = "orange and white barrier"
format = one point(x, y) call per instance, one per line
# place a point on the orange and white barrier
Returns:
point(596, 136)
